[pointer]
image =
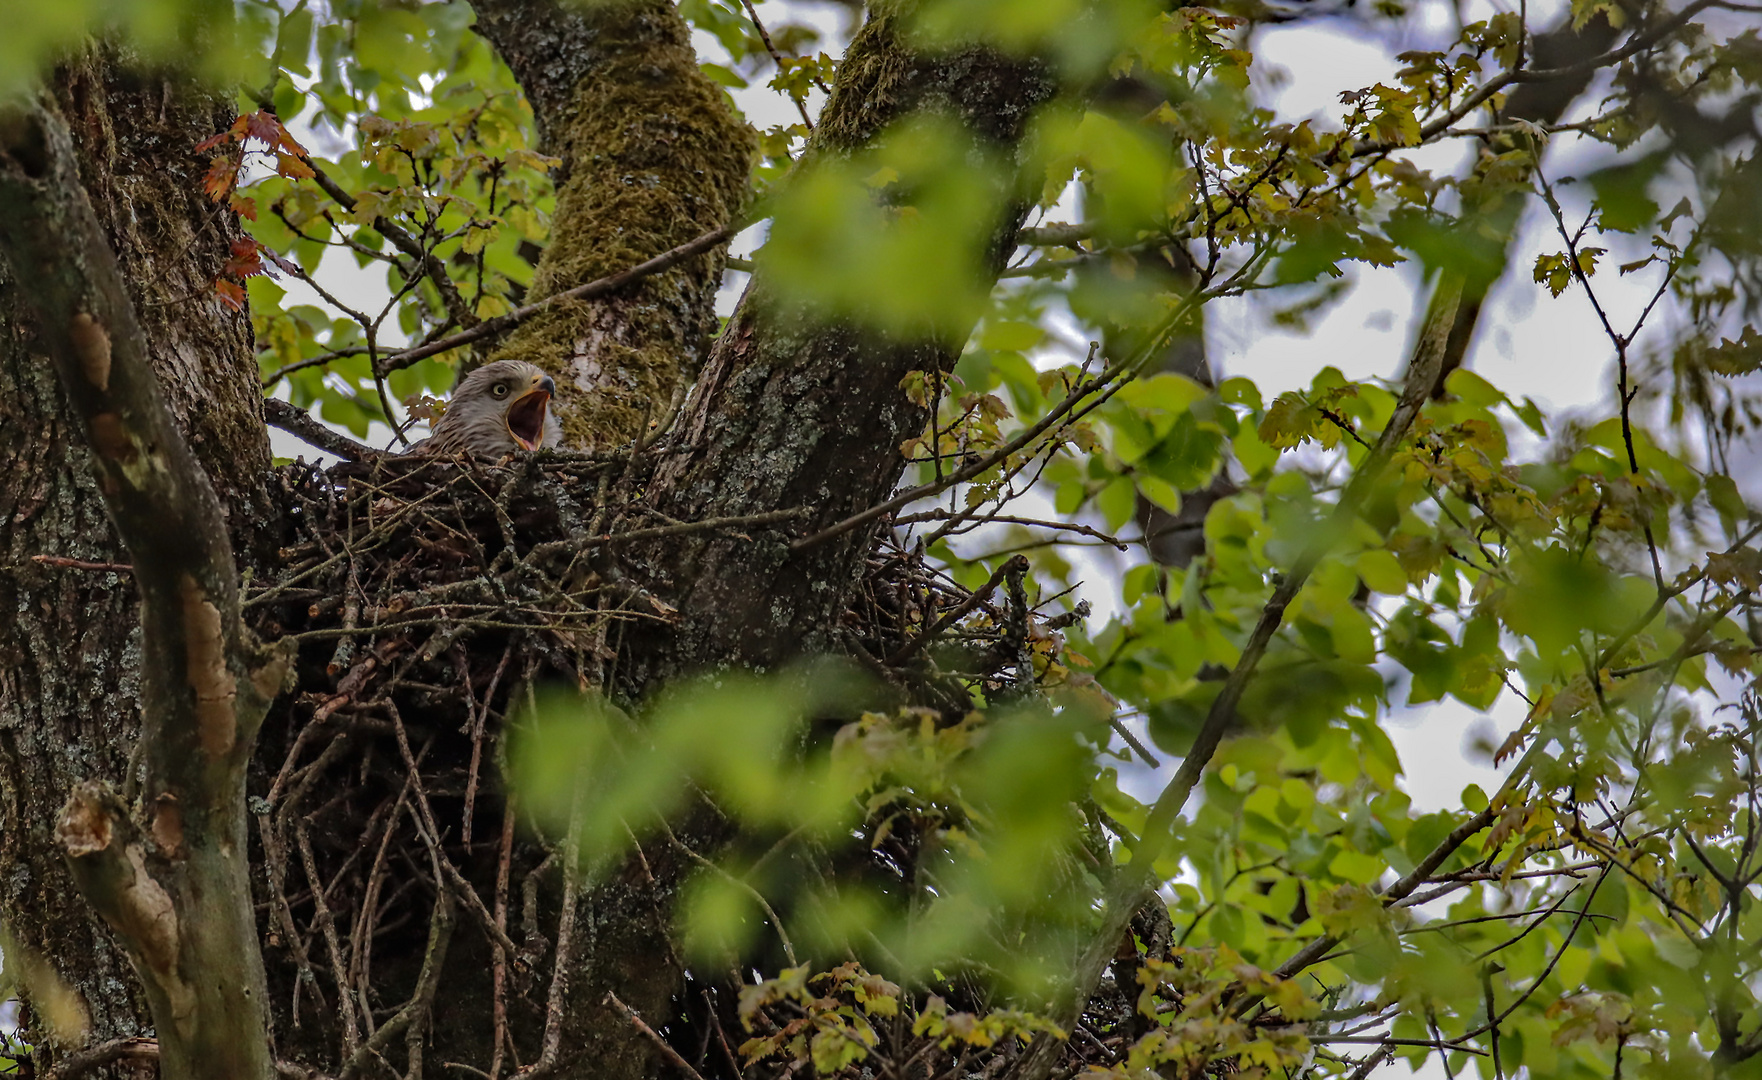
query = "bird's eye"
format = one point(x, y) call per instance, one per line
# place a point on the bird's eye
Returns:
point(500, 390)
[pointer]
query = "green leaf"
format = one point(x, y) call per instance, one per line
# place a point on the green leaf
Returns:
point(1381, 571)
point(1357, 867)
point(1117, 501)
point(1531, 415)
point(1473, 389)
point(1009, 336)
point(1739, 357)
point(1160, 492)
point(1165, 391)
point(1723, 493)
point(1623, 204)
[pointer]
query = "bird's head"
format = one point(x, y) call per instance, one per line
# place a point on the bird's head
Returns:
point(498, 408)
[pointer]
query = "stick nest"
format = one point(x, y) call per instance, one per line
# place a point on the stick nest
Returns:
point(428, 598)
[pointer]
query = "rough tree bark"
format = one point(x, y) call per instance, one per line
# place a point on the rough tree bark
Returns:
point(795, 408)
point(70, 643)
point(652, 156)
point(801, 408)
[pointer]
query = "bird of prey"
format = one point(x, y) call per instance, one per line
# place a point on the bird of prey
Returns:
point(497, 409)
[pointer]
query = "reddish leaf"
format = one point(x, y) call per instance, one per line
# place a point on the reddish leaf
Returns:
point(263, 126)
point(231, 134)
point(292, 167)
point(231, 294)
point(244, 206)
point(287, 142)
point(223, 173)
point(284, 264)
point(246, 260)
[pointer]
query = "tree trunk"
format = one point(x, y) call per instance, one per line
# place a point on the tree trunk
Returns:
point(70, 643)
point(652, 156)
point(801, 408)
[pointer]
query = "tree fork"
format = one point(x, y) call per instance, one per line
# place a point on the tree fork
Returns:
point(176, 886)
point(800, 407)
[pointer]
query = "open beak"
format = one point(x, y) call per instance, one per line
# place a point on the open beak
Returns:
point(526, 416)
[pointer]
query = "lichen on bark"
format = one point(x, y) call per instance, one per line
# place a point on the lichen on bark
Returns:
point(653, 155)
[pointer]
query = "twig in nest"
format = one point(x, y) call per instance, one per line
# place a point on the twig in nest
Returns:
point(414, 1015)
point(84, 1061)
point(770, 517)
point(345, 1006)
point(739, 883)
point(448, 877)
point(499, 969)
point(1017, 564)
point(361, 940)
point(79, 564)
point(482, 713)
point(653, 1036)
point(547, 1062)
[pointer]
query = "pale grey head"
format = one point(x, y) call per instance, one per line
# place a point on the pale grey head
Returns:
point(497, 409)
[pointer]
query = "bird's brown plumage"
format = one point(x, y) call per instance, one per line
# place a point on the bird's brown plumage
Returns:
point(497, 409)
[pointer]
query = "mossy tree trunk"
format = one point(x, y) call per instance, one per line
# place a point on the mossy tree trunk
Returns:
point(652, 156)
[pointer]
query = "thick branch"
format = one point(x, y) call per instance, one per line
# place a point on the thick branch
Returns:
point(161, 502)
point(81, 1062)
point(299, 423)
point(799, 405)
point(205, 685)
point(652, 156)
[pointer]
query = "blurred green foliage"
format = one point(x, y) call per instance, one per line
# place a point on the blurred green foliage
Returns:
point(38, 34)
point(990, 806)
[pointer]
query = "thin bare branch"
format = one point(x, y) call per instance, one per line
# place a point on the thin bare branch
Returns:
point(599, 287)
point(299, 423)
